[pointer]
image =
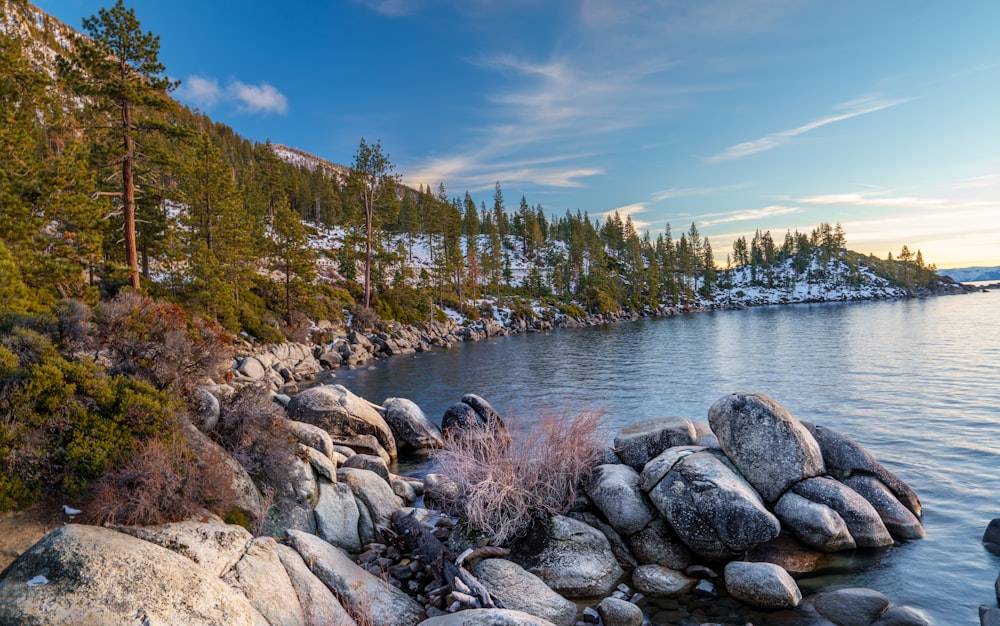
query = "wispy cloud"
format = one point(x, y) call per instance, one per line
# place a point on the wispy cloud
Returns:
point(883, 200)
point(686, 192)
point(748, 214)
point(479, 172)
point(206, 93)
point(852, 109)
point(629, 210)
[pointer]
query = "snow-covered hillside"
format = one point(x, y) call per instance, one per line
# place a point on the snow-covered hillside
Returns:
point(972, 274)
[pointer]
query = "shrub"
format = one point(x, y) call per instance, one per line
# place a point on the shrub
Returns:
point(505, 485)
point(251, 428)
point(159, 343)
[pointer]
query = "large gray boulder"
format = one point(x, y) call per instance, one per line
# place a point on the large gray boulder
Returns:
point(712, 508)
point(374, 492)
point(898, 519)
point(261, 577)
point(618, 546)
point(312, 436)
point(361, 593)
point(855, 606)
point(343, 415)
point(337, 516)
point(861, 517)
point(212, 544)
point(614, 489)
point(571, 557)
point(843, 457)
point(319, 606)
point(662, 582)
point(520, 590)
point(771, 448)
point(410, 425)
point(814, 523)
point(486, 617)
point(657, 467)
point(637, 443)
point(100, 576)
point(762, 584)
point(658, 544)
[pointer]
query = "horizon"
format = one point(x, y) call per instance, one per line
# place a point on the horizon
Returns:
point(771, 114)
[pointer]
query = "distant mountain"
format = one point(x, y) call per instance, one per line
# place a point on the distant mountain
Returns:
point(972, 274)
point(310, 161)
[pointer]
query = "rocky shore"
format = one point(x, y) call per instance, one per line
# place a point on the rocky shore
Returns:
point(680, 522)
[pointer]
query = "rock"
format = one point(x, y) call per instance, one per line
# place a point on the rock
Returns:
point(214, 545)
point(319, 606)
point(658, 544)
point(570, 556)
point(791, 555)
point(342, 414)
point(763, 585)
point(844, 456)
point(615, 612)
point(486, 617)
point(851, 607)
point(989, 616)
point(861, 518)
point(331, 360)
point(247, 498)
point(661, 582)
point(360, 592)
point(815, 524)
point(654, 471)
point(322, 464)
point(460, 416)
point(410, 425)
point(337, 516)
point(487, 414)
point(206, 409)
point(369, 462)
point(521, 590)
point(405, 490)
point(712, 508)
point(361, 444)
point(619, 548)
point(898, 519)
point(439, 489)
point(263, 580)
point(375, 493)
point(637, 443)
point(312, 436)
point(991, 538)
point(769, 447)
point(903, 616)
point(614, 489)
point(251, 368)
point(100, 576)
point(301, 481)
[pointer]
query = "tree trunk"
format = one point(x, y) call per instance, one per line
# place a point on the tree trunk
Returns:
point(128, 186)
point(369, 209)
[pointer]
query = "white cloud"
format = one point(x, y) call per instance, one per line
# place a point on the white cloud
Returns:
point(206, 93)
point(881, 200)
point(629, 210)
point(684, 192)
point(748, 214)
point(853, 108)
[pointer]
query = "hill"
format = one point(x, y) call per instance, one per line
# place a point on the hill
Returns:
point(972, 274)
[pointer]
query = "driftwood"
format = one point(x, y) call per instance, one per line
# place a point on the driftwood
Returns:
point(456, 584)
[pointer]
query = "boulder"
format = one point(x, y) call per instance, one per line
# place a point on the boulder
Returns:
point(571, 557)
point(814, 523)
point(361, 593)
point(618, 612)
point(410, 425)
point(337, 516)
point(440, 490)
point(661, 582)
point(487, 414)
point(989, 616)
point(521, 590)
point(844, 456)
point(712, 508)
point(486, 617)
point(251, 368)
point(319, 606)
point(763, 585)
point(898, 519)
point(791, 555)
point(658, 544)
point(460, 416)
point(991, 538)
point(261, 577)
point(369, 462)
point(903, 616)
point(654, 471)
point(322, 464)
point(851, 607)
point(374, 492)
point(100, 576)
point(361, 444)
point(771, 448)
point(238, 482)
point(861, 517)
point(342, 414)
point(619, 548)
point(206, 409)
point(214, 545)
point(312, 436)
point(637, 443)
point(614, 489)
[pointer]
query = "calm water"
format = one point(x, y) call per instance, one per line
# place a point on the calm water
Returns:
point(917, 382)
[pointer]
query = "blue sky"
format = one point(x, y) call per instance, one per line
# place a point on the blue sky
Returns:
point(733, 114)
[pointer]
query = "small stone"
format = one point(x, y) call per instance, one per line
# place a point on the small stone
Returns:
point(591, 616)
point(852, 607)
point(700, 571)
point(705, 589)
point(615, 612)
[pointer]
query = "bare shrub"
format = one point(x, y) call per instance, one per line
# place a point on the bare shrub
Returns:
point(506, 484)
point(160, 483)
point(252, 429)
point(159, 342)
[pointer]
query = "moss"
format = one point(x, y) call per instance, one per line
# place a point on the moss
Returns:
point(237, 517)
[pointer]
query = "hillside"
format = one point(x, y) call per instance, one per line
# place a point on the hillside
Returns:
point(972, 274)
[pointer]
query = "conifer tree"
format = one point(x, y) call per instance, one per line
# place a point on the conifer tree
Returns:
point(372, 180)
point(291, 255)
point(118, 70)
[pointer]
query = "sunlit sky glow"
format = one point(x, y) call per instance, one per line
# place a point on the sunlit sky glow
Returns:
point(733, 114)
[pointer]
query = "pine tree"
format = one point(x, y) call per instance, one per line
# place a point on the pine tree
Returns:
point(291, 256)
point(118, 70)
point(372, 180)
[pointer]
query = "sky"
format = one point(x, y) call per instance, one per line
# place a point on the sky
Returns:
point(734, 115)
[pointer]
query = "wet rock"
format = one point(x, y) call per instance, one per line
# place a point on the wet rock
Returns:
point(861, 518)
point(661, 582)
point(637, 443)
point(615, 612)
point(769, 447)
point(903, 616)
point(851, 607)
point(763, 585)
point(991, 538)
point(815, 524)
point(898, 520)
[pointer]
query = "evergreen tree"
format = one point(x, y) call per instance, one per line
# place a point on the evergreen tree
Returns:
point(118, 70)
point(291, 256)
point(372, 180)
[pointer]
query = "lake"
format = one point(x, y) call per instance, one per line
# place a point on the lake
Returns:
point(916, 382)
